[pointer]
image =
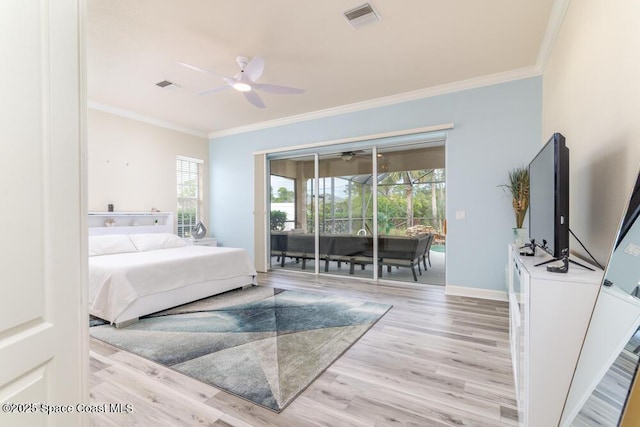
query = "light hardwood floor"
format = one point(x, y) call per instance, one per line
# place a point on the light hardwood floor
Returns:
point(604, 406)
point(432, 360)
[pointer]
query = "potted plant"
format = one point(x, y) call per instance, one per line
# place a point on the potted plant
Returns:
point(518, 188)
point(278, 220)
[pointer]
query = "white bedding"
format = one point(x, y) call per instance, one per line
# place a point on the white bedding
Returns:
point(117, 280)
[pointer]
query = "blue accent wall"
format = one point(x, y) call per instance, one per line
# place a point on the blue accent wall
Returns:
point(497, 128)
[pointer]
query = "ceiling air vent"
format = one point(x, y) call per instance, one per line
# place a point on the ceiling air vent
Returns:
point(165, 83)
point(361, 15)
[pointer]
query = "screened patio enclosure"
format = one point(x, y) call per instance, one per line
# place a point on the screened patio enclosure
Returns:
point(369, 213)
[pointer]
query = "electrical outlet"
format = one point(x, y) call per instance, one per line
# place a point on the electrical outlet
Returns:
point(460, 214)
point(633, 250)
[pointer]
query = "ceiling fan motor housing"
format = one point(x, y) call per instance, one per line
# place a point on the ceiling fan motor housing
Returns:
point(242, 62)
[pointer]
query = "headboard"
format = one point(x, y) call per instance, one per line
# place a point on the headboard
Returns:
point(130, 222)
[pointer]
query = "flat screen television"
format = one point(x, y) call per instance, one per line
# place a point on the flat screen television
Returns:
point(549, 197)
point(633, 211)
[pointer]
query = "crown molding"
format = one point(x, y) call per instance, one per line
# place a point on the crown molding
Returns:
point(517, 74)
point(556, 18)
point(145, 119)
point(491, 79)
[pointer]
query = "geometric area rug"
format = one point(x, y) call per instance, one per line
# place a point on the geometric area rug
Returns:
point(263, 344)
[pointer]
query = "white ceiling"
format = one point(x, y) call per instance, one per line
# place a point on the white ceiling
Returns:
point(419, 44)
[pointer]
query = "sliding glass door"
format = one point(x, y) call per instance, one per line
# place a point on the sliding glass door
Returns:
point(292, 213)
point(345, 214)
point(411, 213)
point(372, 212)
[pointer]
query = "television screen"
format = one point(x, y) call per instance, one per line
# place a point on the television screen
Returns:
point(549, 197)
point(633, 211)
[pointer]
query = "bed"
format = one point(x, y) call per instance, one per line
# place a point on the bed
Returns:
point(132, 275)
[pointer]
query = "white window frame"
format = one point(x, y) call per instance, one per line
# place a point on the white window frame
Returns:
point(188, 169)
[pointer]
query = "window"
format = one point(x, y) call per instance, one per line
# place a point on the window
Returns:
point(188, 174)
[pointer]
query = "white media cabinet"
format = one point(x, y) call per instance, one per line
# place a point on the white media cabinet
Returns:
point(549, 314)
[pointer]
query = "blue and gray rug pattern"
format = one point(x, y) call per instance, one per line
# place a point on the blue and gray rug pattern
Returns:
point(263, 344)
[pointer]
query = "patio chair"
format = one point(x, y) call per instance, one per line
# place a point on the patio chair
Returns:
point(426, 255)
point(401, 252)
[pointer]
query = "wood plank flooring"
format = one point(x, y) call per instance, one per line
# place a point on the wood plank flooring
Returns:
point(605, 405)
point(432, 360)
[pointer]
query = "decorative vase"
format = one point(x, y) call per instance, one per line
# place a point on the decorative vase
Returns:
point(199, 231)
point(520, 236)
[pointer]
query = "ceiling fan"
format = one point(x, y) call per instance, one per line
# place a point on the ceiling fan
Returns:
point(245, 81)
point(348, 155)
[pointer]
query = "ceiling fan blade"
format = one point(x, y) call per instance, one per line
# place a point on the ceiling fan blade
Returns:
point(213, 90)
point(254, 68)
point(253, 98)
point(283, 90)
point(203, 70)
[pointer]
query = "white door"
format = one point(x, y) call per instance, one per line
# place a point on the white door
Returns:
point(43, 315)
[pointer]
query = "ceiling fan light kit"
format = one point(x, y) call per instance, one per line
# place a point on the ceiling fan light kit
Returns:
point(245, 81)
point(347, 155)
point(241, 86)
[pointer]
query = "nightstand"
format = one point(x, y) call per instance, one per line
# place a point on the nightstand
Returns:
point(205, 241)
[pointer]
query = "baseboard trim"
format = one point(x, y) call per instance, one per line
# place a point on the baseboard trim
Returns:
point(463, 291)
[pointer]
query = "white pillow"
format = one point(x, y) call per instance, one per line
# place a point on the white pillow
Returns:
point(152, 241)
point(110, 244)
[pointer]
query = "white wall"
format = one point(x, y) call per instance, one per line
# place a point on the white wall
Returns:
point(133, 164)
point(591, 94)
